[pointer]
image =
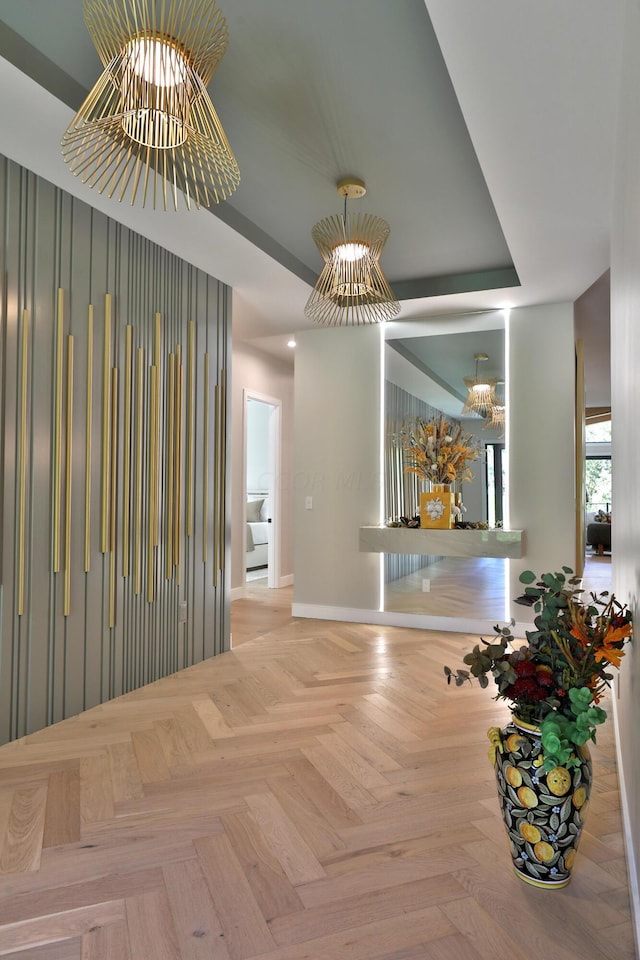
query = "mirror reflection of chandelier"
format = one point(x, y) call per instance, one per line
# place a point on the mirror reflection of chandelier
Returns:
point(496, 417)
point(481, 391)
point(351, 288)
point(148, 130)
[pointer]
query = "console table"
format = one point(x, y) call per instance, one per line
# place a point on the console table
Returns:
point(508, 544)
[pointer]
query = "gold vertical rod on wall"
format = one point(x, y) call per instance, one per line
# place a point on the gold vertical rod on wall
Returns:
point(177, 473)
point(156, 361)
point(156, 342)
point(106, 409)
point(190, 426)
point(24, 356)
point(68, 481)
point(153, 440)
point(113, 497)
point(205, 461)
point(137, 546)
point(126, 467)
point(216, 485)
point(57, 432)
point(170, 466)
point(87, 444)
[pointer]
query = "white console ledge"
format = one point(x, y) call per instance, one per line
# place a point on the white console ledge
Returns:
point(442, 543)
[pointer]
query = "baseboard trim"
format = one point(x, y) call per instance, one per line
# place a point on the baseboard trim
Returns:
point(387, 618)
point(238, 593)
point(632, 866)
point(286, 581)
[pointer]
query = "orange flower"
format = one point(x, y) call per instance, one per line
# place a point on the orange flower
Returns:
point(609, 652)
point(579, 634)
point(619, 633)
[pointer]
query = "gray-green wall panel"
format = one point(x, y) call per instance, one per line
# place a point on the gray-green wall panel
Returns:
point(52, 665)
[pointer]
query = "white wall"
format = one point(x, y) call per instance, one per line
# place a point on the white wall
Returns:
point(257, 371)
point(540, 438)
point(337, 444)
point(625, 402)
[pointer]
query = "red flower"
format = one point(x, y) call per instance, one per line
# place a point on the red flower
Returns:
point(544, 675)
point(526, 688)
point(525, 668)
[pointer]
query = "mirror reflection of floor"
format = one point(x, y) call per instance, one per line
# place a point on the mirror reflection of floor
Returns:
point(458, 587)
point(471, 587)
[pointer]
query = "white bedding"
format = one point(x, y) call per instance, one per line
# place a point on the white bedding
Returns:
point(257, 536)
point(259, 557)
point(259, 532)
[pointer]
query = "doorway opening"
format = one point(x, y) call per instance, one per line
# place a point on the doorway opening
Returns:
point(262, 494)
point(598, 469)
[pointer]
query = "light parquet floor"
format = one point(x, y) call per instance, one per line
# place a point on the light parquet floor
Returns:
point(471, 587)
point(319, 793)
point(459, 587)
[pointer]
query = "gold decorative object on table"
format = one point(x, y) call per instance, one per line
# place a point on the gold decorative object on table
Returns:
point(436, 506)
point(437, 451)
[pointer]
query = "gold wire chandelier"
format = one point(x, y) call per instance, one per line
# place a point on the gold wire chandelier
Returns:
point(351, 288)
point(148, 129)
point(481, 395)
point(497, 415)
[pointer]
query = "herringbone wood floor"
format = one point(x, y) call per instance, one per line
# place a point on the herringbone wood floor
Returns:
point(317, 794)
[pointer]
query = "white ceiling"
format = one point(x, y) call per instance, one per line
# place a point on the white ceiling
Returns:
point(485, 131)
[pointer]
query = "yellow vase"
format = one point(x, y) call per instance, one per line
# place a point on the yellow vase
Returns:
point(436, 507)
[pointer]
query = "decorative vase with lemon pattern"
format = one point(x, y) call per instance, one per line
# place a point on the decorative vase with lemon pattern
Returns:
point(543, 812)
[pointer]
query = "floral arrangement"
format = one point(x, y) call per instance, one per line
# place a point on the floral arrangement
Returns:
point(557, 678)
point(438, 449)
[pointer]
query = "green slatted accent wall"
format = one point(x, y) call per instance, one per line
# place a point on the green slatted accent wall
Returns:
point(113, 458)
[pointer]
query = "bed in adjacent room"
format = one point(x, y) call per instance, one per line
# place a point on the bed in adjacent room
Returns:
point(257, 531)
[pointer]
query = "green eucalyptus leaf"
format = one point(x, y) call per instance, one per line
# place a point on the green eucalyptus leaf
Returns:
point(527, 576)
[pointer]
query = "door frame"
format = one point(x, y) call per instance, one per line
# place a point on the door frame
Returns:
point(274, 476)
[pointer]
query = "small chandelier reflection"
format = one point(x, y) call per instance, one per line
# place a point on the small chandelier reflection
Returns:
point(496, 418)
point(351, 288)
point(148, 129)
point(481, 392)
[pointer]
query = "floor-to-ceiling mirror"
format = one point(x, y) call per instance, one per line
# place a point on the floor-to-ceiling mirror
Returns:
point(426, 363)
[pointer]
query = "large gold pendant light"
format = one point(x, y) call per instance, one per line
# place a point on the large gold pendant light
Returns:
point(351, 288)
point(148, 130)
point(481, 392)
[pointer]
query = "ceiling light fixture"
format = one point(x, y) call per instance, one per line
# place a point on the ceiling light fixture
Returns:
point(351, 288)
point(291, 343)
point(148, 128)
point(481, 392)
point(497, 414)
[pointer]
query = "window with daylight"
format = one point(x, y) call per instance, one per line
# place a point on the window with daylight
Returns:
point(598, 467)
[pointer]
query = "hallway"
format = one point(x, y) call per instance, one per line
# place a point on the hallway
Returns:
point(319, 792)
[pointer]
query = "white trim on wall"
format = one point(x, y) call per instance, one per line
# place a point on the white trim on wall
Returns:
point(484, 627)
